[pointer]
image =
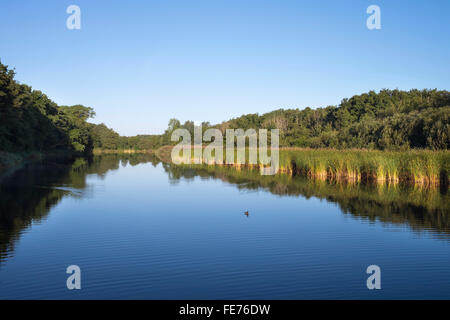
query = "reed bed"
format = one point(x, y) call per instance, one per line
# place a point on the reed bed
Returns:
point(417, 167)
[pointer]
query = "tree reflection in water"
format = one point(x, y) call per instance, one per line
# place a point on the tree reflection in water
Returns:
point(28, 195)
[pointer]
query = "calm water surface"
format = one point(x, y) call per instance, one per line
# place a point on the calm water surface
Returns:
point(141, 229)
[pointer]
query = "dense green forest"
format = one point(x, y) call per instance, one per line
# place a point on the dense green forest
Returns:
point(388, 120)
point(31, 122)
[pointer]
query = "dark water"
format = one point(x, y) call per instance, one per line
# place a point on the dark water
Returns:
point(142, 229)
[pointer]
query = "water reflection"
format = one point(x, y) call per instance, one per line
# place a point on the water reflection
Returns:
point(419, 208)
point(27, 196)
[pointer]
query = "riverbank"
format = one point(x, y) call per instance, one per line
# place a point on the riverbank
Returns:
point(418, 167)
point(98, 151)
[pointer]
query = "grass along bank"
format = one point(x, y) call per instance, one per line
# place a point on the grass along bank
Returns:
point(419, 167)
point(98, 151)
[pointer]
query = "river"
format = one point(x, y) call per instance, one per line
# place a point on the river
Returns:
point(139, 228)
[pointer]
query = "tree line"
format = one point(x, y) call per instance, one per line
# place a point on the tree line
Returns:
point(31, 121)
point(387, 120)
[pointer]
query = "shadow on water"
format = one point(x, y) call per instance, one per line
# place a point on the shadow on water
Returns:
point(27, 196)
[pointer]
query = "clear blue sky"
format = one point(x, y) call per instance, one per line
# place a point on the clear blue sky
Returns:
point(139, 63)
